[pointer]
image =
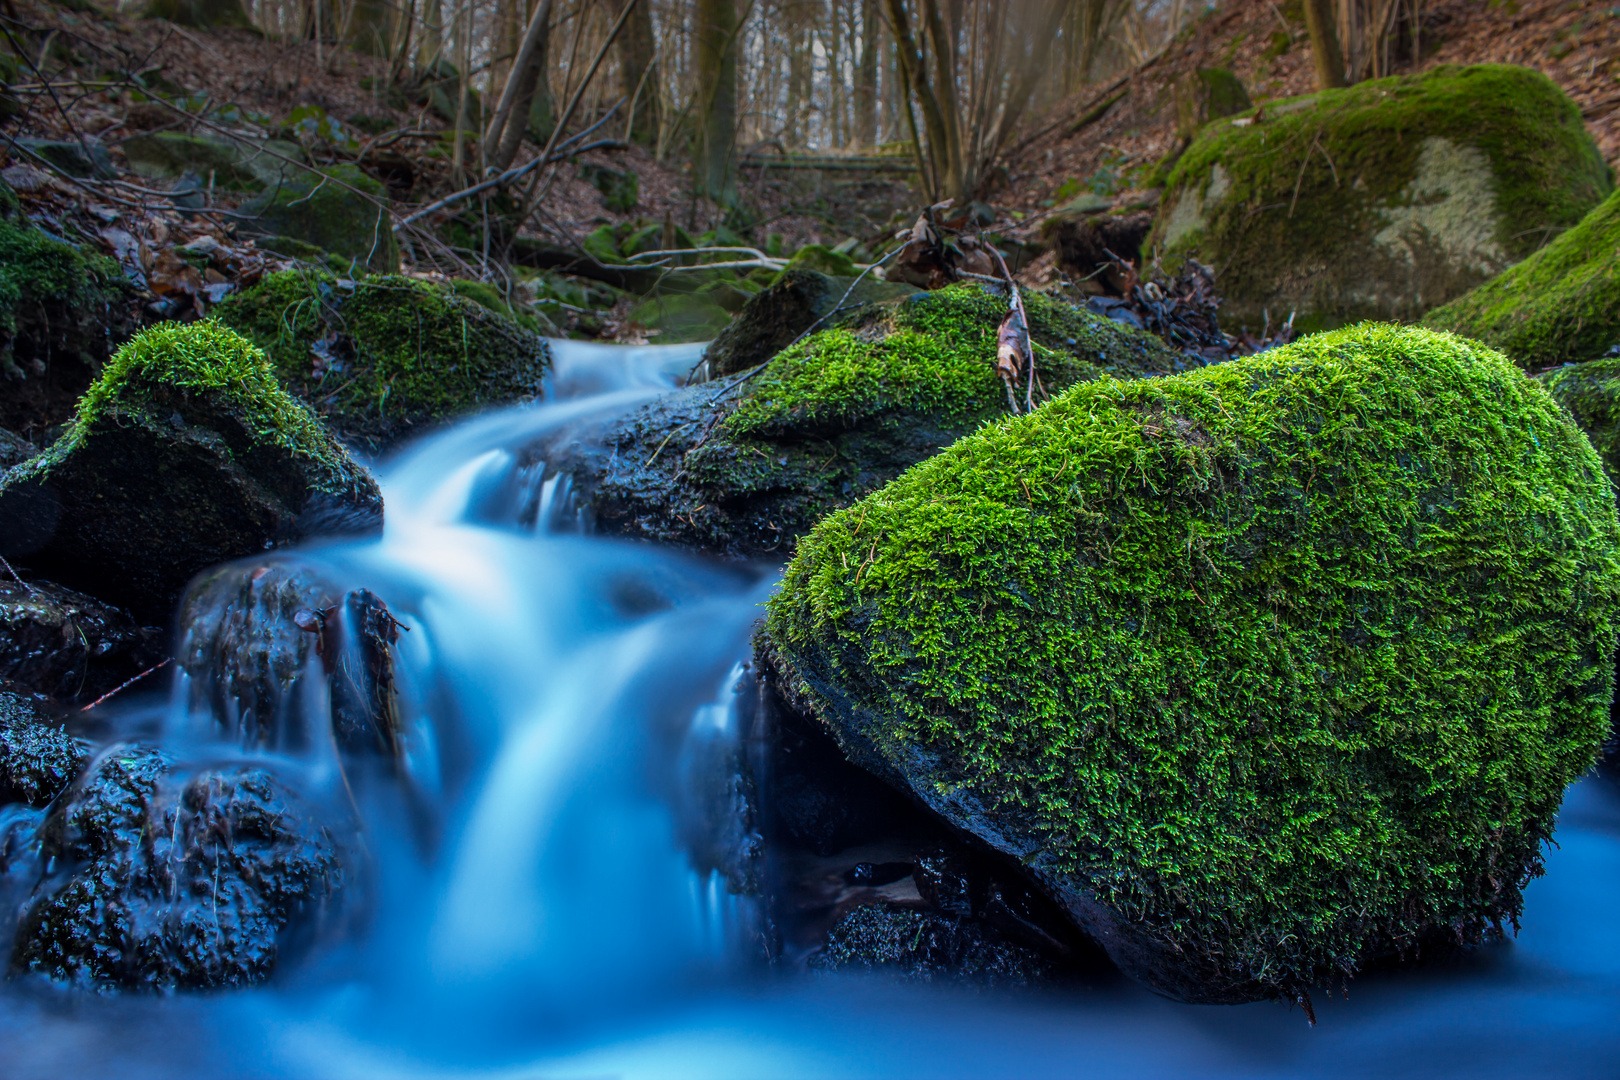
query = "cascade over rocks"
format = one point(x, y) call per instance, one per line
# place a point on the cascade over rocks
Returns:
point(742, 467)
point(1266, 670)
point(147, 879)
point(385, 357)
point(1381, 200)
point(184, 453)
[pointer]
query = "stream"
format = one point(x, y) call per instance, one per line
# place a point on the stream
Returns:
point(545, 892)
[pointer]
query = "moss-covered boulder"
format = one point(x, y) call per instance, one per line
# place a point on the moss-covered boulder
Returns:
point(235, 165)
point(1382, 200)
point(184, 453)
point(62, 311)
point(1559, 306)
point(70, 646)
point(742, 467)
point(382, 357)
point(341, 210)
point(682, 317)
point(774, 318)
point(1266, 669)
point(1591, 393)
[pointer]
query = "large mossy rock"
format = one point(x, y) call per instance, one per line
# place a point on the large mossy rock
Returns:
point(775, 318)
point(1382, 200)
point(743, 467)
point(1267, 669)
point(62, 311)
point(184, 453)
point(382, 357)
point(341, 210)
point(1561, 305)
point(151, 879)
point(1591, 393)
point(235, 165)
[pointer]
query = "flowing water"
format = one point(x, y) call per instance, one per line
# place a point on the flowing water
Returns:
point(547, 886)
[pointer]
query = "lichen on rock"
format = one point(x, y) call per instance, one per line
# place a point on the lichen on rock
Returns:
point(744, 466)
point(1266, 669)
point(185, 452)
point(379, 358)
point(1381, 200)
point(1559, 306)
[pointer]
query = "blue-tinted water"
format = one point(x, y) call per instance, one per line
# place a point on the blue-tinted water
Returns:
point(568, 705)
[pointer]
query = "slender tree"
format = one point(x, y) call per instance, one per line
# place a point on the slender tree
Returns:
point(1325, 52)
point(714, 172)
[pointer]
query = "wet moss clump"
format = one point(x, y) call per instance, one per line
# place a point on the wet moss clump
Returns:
point(1381, 200)
point(62, 309)
point(381, 357)
point(743, 466)
point(184, 453)
point(1559, 306)
point(1267, 669)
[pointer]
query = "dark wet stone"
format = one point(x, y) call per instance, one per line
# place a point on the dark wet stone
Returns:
point(153, 880)
point(37, 757)
point(70, 646)
point(14, 449)
point(774, 318)
point(926, 946)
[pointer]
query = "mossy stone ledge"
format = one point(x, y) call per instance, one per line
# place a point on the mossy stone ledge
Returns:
point(1266, 669)
point(742, 467)
point(380, 358)
point(1382, 200)
point(1559, 306)
point(340, 209)
point(184, 453)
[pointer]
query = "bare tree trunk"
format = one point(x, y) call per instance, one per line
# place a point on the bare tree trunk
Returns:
point(914, 75)
point(510, 122)
point(866, 76)
point(1329, 60)
point(714, 166)
point(638, 76)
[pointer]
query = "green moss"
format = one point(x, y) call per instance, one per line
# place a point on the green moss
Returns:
point(1560, 305)
point(937, 358)
point(204, 359)
point(398, 353)
point(1591, 393)
point(341, 210)
point(36, 268)
point(1286, 661)
point(1384, 199)
point(824, 260)
point(682, 316)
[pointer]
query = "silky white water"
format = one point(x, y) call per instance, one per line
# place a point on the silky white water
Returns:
point(531, 906)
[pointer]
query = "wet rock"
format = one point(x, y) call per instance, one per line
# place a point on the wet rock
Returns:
point(381, 358)
point(67, 645)
point(1131, 641)
point(63, 309)
point(38, 758)
point(926, 946)
point(185, 453)
point(1382, 200)
point(774, 319)
point(154, 880)
point(340, 209)
point(741, 468)
point(254, 634)
point(14, 450)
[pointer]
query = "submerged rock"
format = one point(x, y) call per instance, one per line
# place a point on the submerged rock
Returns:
point(926, 946)
point(742, 467)
point(339, 209)
point(1559, 306)
point(254, 631)
point(62, 311)
point(383, 357)
point(773, 319)
point(62, 643)
point(1266, 669)
point(1381, 200)
point(38, 758)
point(157, 881)
point(185, 453)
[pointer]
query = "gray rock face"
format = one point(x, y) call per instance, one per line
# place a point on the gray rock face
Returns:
point(14, 450)
point(62, 643)
point(152, 880)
